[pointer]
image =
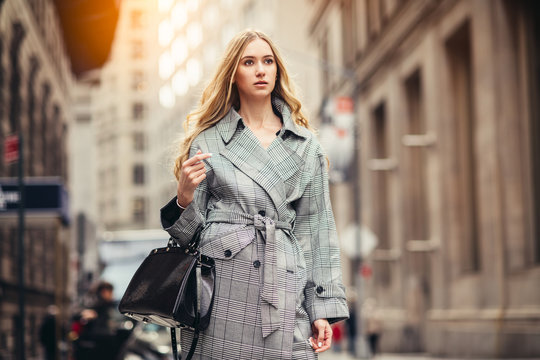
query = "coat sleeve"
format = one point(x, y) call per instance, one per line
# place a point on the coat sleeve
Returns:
point(182, 224)
point(315, 228)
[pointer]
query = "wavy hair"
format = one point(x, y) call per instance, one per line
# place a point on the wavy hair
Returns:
point(221, 93)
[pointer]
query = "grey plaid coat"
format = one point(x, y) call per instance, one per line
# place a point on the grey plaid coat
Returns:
point(268, 222)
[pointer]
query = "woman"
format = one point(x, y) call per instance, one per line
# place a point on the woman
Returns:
point(254, 177)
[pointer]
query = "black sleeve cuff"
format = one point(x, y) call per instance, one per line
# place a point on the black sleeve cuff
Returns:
point(170, 213)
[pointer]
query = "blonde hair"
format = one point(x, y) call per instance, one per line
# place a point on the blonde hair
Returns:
point(221, 93)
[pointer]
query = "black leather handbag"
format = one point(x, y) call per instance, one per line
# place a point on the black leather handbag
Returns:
point(173, 287)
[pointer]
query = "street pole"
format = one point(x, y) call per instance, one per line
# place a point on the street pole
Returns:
point(359, 348)
point(21, 318)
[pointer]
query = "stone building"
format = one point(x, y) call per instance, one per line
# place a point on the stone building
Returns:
point(34, 100)
point(446, 102)
point(37, 68)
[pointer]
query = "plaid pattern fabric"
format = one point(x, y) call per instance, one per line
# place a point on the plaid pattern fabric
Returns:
point(286, 183)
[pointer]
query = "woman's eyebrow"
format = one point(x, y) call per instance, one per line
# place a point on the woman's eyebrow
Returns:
point(253, 57)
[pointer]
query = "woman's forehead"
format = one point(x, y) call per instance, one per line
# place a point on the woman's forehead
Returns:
point(257, 47)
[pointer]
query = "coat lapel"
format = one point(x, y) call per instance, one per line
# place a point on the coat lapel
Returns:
point(273, 169)
point(249, 157)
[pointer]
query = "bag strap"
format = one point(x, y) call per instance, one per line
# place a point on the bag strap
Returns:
point(195, 324)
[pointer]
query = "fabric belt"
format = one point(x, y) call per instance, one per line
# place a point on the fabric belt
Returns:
point(270, 311)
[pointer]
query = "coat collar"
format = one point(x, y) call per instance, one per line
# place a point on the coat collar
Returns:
point(270, 168)
point(229, 124)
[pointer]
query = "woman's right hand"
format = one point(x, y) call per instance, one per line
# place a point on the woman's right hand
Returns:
point(191, 175)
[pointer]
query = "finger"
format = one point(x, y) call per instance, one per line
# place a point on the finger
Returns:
point(320, 335)
point(313, 344)
point(200, 178)
point(322, 348)
point(196, 174)
point(196, 158)
point(188, 170)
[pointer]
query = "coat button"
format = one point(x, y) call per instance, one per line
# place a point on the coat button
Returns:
point(320, 289)
point(256, 264)
point(228, 253)
point(262, 213)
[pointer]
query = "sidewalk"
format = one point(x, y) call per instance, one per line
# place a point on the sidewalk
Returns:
point(329, 355)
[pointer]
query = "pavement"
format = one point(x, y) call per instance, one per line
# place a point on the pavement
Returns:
point(331, 355)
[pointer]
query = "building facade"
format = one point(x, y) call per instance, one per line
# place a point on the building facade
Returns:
point(122, 112)
point(35, 79)
point(446, 99)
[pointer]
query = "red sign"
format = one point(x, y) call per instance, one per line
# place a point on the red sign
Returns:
point(344, 105)
point(11, 148)
point(366, 271)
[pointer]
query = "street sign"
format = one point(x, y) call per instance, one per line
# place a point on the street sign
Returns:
point(336, 134)
point(41, 196)
point(11, 149)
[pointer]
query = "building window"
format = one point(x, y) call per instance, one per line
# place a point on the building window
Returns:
point(532, 13)
point(139, 209)
point(137, 49)
point(416, 214)
point(83, 118)
point(347, 34)
point(137, 19)
point(139, 141)
point(380, 185)
point(138, 174)
point(458, 50)
point(325, 58)
point(138, 110)
point(138, 81)
point(374, 17)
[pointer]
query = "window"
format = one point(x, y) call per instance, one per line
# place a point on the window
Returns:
point(374, 11)
point(416, 214)
point(139, 143)
point(347, 33)
point(138, 110)
point(380, 185)
point(139, 212)
point(533, 61)
point(325, 59)
point(138, 81)
point(458, 50)
point(84, 118)
point(137, 49)
point(137, 19)
point(138, 174)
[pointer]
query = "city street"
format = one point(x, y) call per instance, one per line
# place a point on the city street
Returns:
point(329, 355)
point(371, 160)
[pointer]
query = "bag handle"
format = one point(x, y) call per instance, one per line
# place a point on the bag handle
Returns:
point(198, 282)
point(193, 245)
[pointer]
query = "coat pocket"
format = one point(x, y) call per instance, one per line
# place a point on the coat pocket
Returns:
point(228, 245)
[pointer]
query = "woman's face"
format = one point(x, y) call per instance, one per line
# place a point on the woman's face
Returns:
point(256, 73)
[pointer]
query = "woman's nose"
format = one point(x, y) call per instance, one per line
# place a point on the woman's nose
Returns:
point(259, 70)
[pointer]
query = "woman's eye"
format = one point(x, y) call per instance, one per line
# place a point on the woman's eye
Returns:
point(269, 61)
point(248, 62)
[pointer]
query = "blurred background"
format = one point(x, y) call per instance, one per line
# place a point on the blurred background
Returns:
point(428, 110)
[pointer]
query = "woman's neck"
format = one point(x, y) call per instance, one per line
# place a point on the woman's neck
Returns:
point(257, 114)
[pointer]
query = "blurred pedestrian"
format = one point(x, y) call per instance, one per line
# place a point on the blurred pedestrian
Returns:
point(337, 336)
point(351, 329)
point(48, 333)
point(254, 178)
point(97, 337)
point(373, 323)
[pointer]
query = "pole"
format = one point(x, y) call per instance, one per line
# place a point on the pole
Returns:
point(21, 318)
point(359, 341)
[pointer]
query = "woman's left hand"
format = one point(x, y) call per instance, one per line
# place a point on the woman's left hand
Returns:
point(322, 335)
